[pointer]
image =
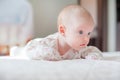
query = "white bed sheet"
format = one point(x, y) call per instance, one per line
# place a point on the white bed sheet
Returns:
point(16, 68)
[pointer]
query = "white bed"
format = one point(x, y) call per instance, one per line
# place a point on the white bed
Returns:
point(17, 68)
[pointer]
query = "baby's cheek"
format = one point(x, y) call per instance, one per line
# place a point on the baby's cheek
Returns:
point(74, 41)
point(77, 43)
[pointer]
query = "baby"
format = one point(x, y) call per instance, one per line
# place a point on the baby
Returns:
point(75, 26)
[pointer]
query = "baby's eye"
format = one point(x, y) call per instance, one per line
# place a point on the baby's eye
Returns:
point(80, 32)
point(89, 33)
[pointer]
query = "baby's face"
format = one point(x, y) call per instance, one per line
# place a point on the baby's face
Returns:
point(78, 35)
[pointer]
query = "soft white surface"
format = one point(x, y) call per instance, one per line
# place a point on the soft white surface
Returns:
point(111, 56)
point(16, 68)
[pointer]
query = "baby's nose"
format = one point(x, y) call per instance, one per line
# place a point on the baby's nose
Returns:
point(86, 38)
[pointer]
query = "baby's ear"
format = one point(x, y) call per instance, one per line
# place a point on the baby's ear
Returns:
point(61, 30)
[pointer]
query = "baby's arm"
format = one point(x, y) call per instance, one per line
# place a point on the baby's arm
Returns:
point(36, 49)
point(32, 49)
point(92, 52)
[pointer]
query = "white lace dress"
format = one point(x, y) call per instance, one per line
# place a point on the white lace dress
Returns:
point(46, 49)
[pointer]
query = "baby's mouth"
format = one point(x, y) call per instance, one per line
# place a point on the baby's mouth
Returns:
point(82, 45)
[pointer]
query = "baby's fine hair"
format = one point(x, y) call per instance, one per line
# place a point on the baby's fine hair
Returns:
point(71, 10)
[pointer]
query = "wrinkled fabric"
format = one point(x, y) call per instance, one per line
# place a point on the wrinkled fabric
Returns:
point(46, 49)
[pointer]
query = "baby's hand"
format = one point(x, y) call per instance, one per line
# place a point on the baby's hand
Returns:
point(93, 57)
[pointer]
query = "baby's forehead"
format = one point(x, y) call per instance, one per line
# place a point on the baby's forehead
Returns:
point(81, 23)
point(80, 20)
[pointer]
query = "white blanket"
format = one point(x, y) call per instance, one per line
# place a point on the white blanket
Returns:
point(79, 69)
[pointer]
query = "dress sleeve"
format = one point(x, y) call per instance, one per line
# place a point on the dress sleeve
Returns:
point(92, 52)
point(37, 49)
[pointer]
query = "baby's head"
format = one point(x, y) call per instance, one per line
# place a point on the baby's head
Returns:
point(75, 25)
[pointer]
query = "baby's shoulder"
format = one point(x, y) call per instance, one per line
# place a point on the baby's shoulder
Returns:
point(46, 41)
point(92, 49)
point(89, 49)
